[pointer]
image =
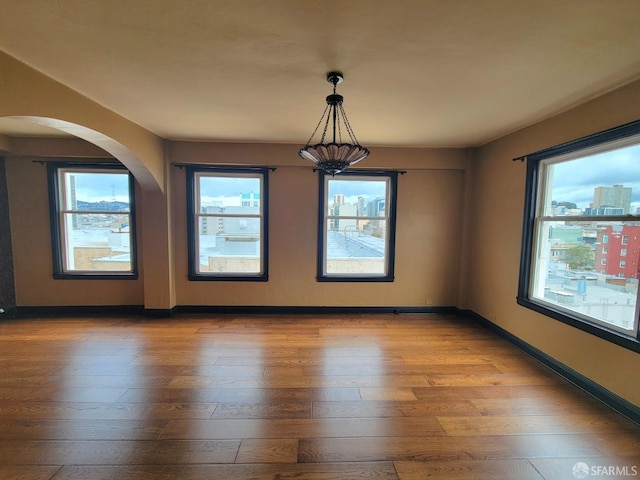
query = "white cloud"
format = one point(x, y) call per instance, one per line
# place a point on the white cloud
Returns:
point(575, 180)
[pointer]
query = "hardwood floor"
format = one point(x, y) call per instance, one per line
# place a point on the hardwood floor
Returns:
point(306, 397)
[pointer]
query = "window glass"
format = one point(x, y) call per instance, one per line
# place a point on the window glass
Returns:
point(357, 226)
point(587, 208)
point(92, 220)
point(228, 225)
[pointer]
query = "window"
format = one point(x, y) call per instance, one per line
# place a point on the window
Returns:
point(92, 221)
point(597, 179)
point(227, 221)
point(357, 226)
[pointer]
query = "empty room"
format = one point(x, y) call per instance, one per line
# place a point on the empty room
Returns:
point(268, 239)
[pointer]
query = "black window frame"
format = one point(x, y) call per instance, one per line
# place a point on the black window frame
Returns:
point(54, 191)
point(192, 255)
point(631, 342)
point(392, 175)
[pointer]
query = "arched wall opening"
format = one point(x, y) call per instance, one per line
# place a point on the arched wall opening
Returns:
point(115, 148)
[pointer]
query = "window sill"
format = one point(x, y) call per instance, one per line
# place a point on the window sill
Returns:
point(228, 278)
point(95, 276)
point(345, 278)
point(613, 336)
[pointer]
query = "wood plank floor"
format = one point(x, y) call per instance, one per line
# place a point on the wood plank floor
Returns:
point(306, 397)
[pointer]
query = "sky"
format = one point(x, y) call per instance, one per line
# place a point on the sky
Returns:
point(575, 181)
point(226, 189)
point(352, 189)
point(96, 187)
point(91, 187)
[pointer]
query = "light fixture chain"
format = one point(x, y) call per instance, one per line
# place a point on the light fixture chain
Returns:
point(326, 123)
point(318, 126)
point(352, 135)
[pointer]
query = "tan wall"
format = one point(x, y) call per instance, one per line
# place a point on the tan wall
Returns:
point(30, 96)
point(34, 97)
point(31, 243)
point(498, 199)
point(428, 243)
point(428, 230)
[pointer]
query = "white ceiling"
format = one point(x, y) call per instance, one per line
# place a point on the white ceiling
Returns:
point(417, 72)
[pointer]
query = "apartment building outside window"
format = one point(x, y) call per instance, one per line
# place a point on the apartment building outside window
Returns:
point(597, 180)
point(357, 221)
point(227, 223)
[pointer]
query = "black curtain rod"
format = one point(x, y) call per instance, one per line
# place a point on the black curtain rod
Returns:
point(365, 171)
point(97, 161)
point(610, 135)
point(223, 167)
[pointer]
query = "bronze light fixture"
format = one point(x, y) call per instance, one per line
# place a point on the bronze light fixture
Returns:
point(335, 156)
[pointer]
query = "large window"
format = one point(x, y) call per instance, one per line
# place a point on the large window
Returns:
point(92, 221)
point(584, 201)
point(227, 221)
point(357, 226)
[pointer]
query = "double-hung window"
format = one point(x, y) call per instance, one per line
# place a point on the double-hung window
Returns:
point(584, 197)
point(92, 220)
point(357, 223)
point(227, 222)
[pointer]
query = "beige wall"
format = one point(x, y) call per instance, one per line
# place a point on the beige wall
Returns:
point(33, 97)
point(428, 230)
point(498, 200)
point(428, 239)
point(31, 243)
point(29, 96)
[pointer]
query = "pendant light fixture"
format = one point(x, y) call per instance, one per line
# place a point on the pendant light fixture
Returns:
point(335, 156)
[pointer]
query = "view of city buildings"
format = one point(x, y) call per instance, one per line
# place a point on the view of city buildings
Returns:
point(95, 232)
point(356, 229)
point(98, 242)
point(229, 239)
point(616, 197)
point(591, 266)
point(362, 216)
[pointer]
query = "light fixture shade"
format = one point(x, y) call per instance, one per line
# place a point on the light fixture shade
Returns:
point(335, 156)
